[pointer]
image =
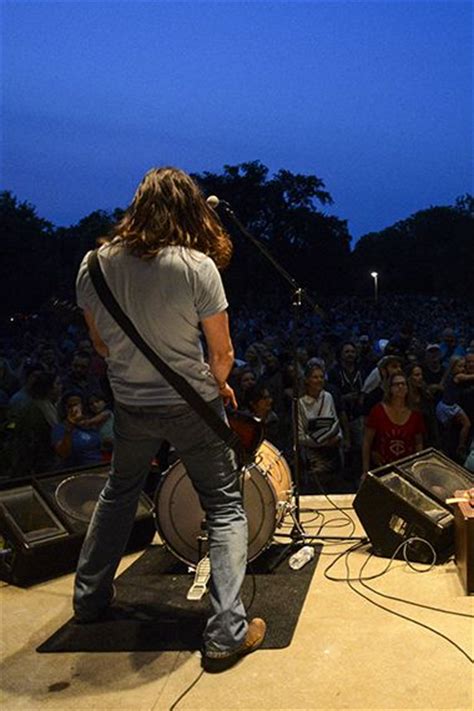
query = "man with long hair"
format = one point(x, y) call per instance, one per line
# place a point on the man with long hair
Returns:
point(161, 262)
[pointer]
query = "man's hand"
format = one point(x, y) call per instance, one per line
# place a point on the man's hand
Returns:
point(228, 395)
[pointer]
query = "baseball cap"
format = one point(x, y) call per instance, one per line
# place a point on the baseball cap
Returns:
point(433, 347)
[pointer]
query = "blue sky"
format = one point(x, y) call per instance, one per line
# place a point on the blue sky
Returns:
point(374, 97)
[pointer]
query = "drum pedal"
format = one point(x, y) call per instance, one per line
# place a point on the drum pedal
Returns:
point(201, 578)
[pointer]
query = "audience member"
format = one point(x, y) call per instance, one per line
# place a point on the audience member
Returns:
point(450, 347)
point(469, 463)
point(393, 430)
point(373, 388)
point(75, 441)
point(319, 433)
point(31, 451)
point(258, 402)
point(347, 378)
point(23, 396)
point(454, 422)
point(8, 380)
point(79, 379)
point(433, 370)
point(243, 379)
point(367, 357)
point(272, 377)
point(401, 343)
point(420, 399)
point(102, 419)
point(467, 389)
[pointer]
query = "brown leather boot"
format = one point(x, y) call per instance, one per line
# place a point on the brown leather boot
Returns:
point(214, 662)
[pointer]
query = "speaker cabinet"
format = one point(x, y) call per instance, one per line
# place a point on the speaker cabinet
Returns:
point(43, 524)
point(406, 500)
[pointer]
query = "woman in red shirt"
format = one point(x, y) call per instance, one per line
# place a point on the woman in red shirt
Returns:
point(392, 430)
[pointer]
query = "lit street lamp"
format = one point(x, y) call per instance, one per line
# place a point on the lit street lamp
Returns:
point(375, 277)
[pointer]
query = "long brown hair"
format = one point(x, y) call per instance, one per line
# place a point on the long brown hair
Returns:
point(167, 209)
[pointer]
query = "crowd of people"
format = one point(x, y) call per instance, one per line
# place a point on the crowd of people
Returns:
point(370, 388)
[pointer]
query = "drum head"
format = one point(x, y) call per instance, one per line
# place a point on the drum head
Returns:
point(180, 518)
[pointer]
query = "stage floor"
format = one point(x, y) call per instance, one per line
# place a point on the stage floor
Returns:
point(346, 652)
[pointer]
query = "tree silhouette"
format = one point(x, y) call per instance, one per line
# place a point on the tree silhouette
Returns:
point(283, 211)
point(430, 252)
point(27, 255)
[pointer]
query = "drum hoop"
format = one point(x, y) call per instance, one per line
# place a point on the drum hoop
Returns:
point(164, 538)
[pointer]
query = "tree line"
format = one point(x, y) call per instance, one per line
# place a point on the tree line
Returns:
point(430, 252)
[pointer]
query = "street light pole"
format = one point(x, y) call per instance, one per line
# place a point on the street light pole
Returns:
point(375, 277)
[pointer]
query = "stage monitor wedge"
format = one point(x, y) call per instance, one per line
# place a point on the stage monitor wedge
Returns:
point(406, 499)
point(41, 539)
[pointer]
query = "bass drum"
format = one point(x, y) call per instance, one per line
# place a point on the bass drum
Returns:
point(180, 520)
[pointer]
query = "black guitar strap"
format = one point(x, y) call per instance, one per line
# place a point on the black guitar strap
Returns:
point(181, 385)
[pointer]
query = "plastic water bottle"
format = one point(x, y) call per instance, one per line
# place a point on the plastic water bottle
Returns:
point(301, 557)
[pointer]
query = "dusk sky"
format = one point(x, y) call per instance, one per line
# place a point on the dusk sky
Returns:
point(374, 97)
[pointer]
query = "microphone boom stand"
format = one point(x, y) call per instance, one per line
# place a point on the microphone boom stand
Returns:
point(298, 296)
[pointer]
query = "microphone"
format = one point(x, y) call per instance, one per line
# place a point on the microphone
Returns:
point(214, 202)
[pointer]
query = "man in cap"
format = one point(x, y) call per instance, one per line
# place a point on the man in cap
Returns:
point(433, 370)
point(449, 346)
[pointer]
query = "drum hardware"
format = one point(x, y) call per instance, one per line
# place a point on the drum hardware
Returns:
point(298, 297)
point(201, 578)
point(245, 475)
point(202, 540)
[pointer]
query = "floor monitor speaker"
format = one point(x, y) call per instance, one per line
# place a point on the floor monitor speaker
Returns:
point(407, 500)
point(43, 523)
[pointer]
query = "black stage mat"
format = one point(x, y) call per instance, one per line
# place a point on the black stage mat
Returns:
point(151, 612)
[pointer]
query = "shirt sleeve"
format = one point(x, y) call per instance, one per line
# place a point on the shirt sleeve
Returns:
point(85, 292)
point(209, 294)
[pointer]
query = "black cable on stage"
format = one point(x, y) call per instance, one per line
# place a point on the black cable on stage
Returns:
point(186, 691)
point(404, 600)
point(326, 495)
point(350, 580)
point(335, 540)
point(410, 619)
point(335, 506)
point(354, 547)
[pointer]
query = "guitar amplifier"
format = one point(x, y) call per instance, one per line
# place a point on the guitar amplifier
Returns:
point(464, 541)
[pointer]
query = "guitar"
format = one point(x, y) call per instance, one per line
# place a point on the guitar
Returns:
point(248, 428)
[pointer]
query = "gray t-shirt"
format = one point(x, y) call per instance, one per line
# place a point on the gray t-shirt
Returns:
point(166, 298)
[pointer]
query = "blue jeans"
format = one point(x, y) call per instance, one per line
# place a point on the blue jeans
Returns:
point(212, 468)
